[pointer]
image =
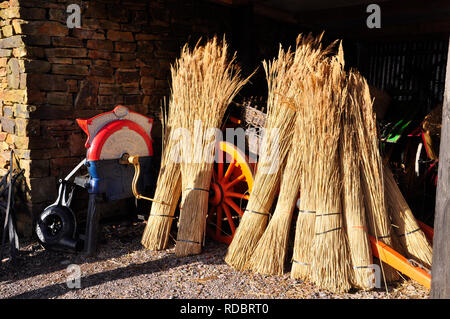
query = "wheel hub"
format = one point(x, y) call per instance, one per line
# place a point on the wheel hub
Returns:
point(216, 194)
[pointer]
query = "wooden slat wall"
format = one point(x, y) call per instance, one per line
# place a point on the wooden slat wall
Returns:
point(408, 70)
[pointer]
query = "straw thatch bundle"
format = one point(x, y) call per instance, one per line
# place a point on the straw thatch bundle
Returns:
point(353, 202)
point(304, 228)
point(411, 236)
point(204, 82)
point(330, 262)
point(282, 75)
point(371, 167)
point(275, 143)
point(270, 253)
point(167, 193)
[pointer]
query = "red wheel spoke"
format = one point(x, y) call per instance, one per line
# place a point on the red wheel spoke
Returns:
point(235, 181)
point(229, 170)
point(220, 169)
point(230, 218)
point(237, 195)
point(219, 220)
point(234, 206)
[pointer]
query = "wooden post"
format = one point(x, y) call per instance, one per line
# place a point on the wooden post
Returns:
point(440, 274)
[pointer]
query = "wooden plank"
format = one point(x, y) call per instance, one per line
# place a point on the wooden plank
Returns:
point(440, 283)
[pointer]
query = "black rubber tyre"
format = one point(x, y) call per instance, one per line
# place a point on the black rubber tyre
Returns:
point(53, 224)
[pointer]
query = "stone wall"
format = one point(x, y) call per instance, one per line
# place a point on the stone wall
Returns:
point(51, 74)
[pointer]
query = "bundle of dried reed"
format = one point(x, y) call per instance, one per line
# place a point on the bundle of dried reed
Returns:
point(167, 192)
point(204, 82)
point(353, 202)
point(330, 262)
point(282, 75)
point(410, 235)
point(269, 255)
point(371, 167)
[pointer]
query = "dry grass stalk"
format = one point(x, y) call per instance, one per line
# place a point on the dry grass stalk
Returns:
point(270, 253)
point(281, 75)
point(204, 82)
point(330, 260)
point(168, 190)
point(371, 167)
point(410, 235)
point(353, 202)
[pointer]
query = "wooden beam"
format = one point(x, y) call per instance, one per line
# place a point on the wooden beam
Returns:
point(440, 282)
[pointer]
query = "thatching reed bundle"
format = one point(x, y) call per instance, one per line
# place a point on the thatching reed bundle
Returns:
point(282, 74)
point(270, 253)
point(353, 202)
point(371, 167)
point(330, 262)
point(204, 82)
point(304, 228)
point(167, 192)
point(409, 233)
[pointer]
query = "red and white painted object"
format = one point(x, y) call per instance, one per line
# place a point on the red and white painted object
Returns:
point(111, 134)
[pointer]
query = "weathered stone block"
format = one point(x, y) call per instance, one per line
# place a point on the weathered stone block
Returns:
point(32, 40)
point(60, 60)
point(124, 46)
point(102, 45)
point(132, 99)
point(101, 71)
point(19, 52)
point(56, 14)
point(76, 144)
point(124, 64)
point(72, 86)
point(127, 76)
point(33, 13)
point(5, 53)
point(37, 66)
point(95, 54)
point(27, 127)
point(34, 97)
point(13, 73)
point(87, 96)
point(59, 98)
point(7, 31)
point(88, 34)
point(120, 36)
point(17, 96)
point(11, 42)
point(67, 42)
point(70, 69)
point(8, 125)
point(147, 82)
point(10, 13)
point(23, 110)
point(51, 28)
point(66, 52)
point(46, 82)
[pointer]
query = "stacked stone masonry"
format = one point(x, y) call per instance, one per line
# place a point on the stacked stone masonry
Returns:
point(51, 74)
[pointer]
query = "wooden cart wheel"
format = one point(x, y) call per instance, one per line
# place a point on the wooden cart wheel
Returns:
point(231, 185)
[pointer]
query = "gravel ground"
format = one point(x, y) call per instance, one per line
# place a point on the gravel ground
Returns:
point(124, 269)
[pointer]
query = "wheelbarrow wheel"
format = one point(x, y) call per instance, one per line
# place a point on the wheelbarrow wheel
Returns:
point(55, 224)
point(231, 185)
